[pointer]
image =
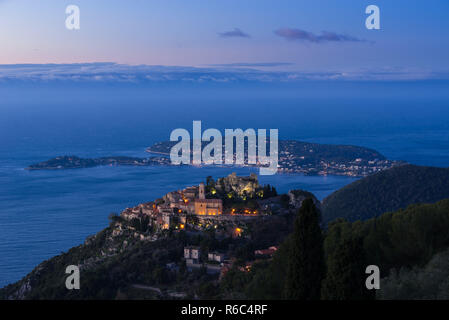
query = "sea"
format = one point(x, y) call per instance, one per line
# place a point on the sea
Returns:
point(44, 213)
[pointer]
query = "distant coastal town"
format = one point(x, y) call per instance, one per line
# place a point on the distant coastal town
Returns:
point(294, 157)
point(317, 159)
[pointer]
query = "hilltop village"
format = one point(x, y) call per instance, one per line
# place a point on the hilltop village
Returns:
point(223, 205)
point(230, 208)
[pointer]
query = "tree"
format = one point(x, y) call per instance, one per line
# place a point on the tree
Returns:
point(345, 278)
point(305, 266)
point(210, 185)
point(210, 182)
point(114, 217)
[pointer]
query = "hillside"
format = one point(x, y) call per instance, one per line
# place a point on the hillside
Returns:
point(135, 257)
point(126, 261)
point(385, 191)
point(400, 240)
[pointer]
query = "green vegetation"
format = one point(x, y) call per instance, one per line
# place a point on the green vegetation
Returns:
point(429, 282)
point(296, 270)
point(404, 239)
point(305, 266)
point(345, 278)
point(386, 191)
point(113, 276)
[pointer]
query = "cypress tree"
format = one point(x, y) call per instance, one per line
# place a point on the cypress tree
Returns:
point(305, 267)
point(345, 278)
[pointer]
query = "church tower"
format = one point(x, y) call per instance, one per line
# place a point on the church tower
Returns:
point(207, 207)
point(201, 194)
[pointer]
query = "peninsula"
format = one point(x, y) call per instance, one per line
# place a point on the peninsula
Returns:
point(74, 162)
point(315, 159)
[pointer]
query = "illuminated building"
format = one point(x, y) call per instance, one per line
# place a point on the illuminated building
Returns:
point(207, 207)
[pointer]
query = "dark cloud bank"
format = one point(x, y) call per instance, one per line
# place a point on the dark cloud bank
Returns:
point(236, 33)
point(325, 36)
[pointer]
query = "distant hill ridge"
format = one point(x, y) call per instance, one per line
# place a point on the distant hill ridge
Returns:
point(386, 191)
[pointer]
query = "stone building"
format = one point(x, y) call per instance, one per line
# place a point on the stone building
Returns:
point(216, 256)
point(166, 220)
point(239, 185)
point(192, 255)
point(208, 207)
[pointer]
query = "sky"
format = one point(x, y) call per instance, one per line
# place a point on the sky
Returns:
point(284, 35)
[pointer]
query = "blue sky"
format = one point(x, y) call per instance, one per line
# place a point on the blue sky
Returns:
point(413, 36)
